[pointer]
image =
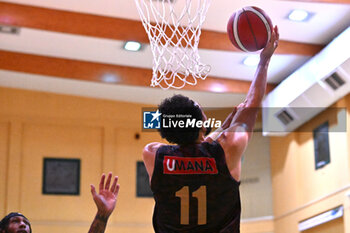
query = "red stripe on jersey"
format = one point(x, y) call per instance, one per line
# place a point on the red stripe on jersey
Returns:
point(189, 165)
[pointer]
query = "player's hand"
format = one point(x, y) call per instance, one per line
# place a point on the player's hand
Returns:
point(106, 199)
point(271, 46)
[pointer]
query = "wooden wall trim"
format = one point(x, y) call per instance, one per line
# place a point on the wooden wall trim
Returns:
point(93, 71)
point(117, 28)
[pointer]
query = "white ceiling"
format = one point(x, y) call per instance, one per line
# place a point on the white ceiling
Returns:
point(328, 20)
point(114, 92)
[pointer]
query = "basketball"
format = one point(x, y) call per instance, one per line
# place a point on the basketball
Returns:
point(249, 29)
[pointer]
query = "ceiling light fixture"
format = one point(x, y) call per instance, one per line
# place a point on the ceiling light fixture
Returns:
point(133, 46)
point(110, 78)
point(252, 60)
point(217, 87)
point(299, 15)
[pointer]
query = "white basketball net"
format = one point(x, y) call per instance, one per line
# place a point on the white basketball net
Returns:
point(174, 30)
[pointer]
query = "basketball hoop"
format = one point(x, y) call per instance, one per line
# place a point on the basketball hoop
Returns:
point(173, 31)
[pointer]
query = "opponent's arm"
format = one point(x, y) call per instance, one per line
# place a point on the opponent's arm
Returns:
point(214, 135)
point(105, 202)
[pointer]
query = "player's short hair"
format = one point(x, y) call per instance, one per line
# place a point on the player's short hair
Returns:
point(178, 106)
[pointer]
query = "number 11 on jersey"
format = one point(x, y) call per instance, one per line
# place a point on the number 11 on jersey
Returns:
point(201, 196)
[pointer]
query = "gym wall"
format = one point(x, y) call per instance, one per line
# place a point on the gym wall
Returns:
point(102, 134)
point(301, 192)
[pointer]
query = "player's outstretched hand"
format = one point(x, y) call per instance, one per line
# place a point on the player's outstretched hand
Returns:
point(106, 198)
point(271, 46)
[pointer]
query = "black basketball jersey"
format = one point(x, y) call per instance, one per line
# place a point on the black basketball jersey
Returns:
point(194, 191)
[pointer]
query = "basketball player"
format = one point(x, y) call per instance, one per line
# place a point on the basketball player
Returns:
point(15, 223)
point(196, 182)
point(105, 201)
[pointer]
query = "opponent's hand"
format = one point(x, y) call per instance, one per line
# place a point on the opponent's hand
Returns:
point(228, 119)
point(106, 199)
point(271, 46)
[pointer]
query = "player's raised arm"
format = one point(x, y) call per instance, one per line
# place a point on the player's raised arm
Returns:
point(234, 139)
point(247, 112)
point(105, 201)
point(244, 115)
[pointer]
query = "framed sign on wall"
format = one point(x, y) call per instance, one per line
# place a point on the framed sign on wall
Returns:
point(321, 145)
point(61, 176)
point(143, 188)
